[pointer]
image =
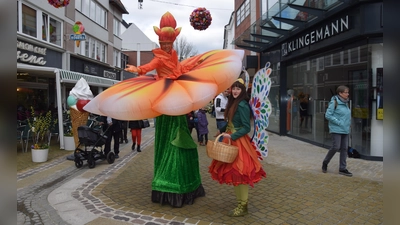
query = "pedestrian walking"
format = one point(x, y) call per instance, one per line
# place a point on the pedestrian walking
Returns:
point(136, 127)
point(203, 126)
point(246, 169)
point(339, 116)
point(124, 132)
point(112, 129)
point(219, 104)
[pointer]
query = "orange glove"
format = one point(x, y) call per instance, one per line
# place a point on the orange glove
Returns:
point(132, 69)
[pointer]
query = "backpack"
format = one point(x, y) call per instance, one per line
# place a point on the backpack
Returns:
point(352, 153)
point(336, 103)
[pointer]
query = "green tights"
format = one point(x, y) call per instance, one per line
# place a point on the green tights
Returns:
point(242, 195)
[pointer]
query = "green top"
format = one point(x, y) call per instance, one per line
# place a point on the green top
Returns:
point(240, 121)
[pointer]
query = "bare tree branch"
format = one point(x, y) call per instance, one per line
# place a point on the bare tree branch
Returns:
point(184, 49)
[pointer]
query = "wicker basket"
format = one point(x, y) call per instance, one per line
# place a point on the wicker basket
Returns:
point(221, 151)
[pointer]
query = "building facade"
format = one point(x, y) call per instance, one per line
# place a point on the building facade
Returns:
point(52, 56)
point(136, 46)
point(315, 46)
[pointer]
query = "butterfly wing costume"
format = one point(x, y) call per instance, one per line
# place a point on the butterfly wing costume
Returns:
point(261, 107)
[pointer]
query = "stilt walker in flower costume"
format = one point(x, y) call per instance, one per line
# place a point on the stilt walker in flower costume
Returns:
point(176, 89)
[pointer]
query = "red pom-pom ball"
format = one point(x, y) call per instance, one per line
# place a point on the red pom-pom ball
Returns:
point(59, 3)
point(200, 19)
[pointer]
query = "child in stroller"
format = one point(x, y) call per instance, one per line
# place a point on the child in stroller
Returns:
point(93, 140)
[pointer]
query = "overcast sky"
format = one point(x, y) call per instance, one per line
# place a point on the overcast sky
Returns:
point(205, 40)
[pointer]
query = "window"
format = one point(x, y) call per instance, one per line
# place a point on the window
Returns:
point(117, 27)
point(117, 58)
point(39, 25)
point(93, 10)
point(29, 21)
point(78, 5)
point(94, 49)
point(124, 60)
point(51, 30)
point(242, 12)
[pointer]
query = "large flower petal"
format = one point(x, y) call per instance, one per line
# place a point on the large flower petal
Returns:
point(144, 97)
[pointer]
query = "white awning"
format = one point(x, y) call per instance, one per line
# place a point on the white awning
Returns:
point(67, 76)
point(73, 77)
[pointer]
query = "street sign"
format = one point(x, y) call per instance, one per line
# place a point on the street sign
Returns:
point(77, 37)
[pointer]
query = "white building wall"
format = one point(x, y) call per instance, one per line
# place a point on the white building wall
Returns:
point(230, 33)
point(133, 39)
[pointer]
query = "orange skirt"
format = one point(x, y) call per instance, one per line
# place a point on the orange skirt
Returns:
point(246, 169)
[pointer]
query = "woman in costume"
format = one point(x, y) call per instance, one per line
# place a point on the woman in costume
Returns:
point(176, 89)
point(246, 169)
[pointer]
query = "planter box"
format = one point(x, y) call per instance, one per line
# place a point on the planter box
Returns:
point(69, 143)
point(39, 155)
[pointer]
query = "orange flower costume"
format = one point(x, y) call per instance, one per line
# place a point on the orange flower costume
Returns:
point(178, 88)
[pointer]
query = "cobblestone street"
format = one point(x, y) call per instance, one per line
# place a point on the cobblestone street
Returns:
point(294, 192)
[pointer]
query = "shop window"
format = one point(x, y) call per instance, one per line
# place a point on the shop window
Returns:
point(363, 53)
point(328, 60)
point(346, 56)
point(354, 68)
point(337, 58)
point(354, 55)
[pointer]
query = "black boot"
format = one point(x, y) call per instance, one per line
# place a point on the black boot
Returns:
point(138, 148)
point(133, 146)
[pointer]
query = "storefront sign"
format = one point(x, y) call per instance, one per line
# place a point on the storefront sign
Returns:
point(108, 74)
point(89, 69)
point(335, 27)
point(29, 53)
point(77, 37)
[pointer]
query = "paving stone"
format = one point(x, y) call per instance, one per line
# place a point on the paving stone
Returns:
point(294, 192)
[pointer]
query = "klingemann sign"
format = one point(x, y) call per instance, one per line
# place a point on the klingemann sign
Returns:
point(335, 27)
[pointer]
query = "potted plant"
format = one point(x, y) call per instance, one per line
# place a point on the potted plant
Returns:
point(69, 142)
point(40, 126)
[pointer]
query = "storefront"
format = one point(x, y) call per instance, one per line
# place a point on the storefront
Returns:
point(344, 48)
point(43, 85)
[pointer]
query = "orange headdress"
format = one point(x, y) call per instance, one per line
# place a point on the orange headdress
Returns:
point(167, 31)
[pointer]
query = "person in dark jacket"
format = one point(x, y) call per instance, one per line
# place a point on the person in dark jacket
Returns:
point(136, 127)
point(124, 131)
point(112, 129)
point(193, 123)
point(203, 126)
point(339, 116)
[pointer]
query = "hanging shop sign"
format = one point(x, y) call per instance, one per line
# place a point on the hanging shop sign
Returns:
point(326, 31)
point(28, 53)
point(78, 35)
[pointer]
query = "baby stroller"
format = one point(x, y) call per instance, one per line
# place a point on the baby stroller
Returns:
point(93, 140)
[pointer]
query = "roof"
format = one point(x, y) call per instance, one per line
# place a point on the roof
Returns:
point(118, 4)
